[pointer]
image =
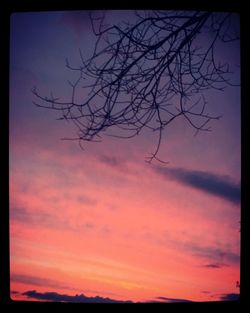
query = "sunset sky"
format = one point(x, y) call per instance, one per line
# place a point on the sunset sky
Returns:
point(101, 222)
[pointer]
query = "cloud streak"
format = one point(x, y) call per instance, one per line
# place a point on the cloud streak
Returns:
point(230, 297)
point(43, 219)
point(172, 300)
point(39, 218)
point(57, 297)
point(37, 281)
point(213, 253)
point(217, 185)
point(83, 199)
point(113, 162)
point(215, 265)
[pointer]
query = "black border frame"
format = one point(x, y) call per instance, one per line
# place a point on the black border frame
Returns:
point(5, 299)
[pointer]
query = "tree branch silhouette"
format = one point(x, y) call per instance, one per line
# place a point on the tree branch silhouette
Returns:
point(146, 75)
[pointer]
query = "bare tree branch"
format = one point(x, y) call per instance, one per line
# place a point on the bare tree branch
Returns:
point(146, 75)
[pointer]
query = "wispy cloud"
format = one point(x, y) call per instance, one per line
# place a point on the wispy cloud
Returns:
point(219, 255)
point(20, 214)
point(43, 219)
point(166, 299)
point(112, 161)
point(86, 200)
point(215, 265)
point(37, 281)
point(217, 185)
point(54, 296)
point(211, 255)
point(39, 218)
point(230, 297)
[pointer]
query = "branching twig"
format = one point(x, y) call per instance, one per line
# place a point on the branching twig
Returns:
point(146, 74)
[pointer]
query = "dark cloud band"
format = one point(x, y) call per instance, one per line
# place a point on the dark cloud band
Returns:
point(57, 297)
point(165, 299)
point(221, 186)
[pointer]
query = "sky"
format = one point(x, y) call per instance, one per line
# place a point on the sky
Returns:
point(101, 224)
